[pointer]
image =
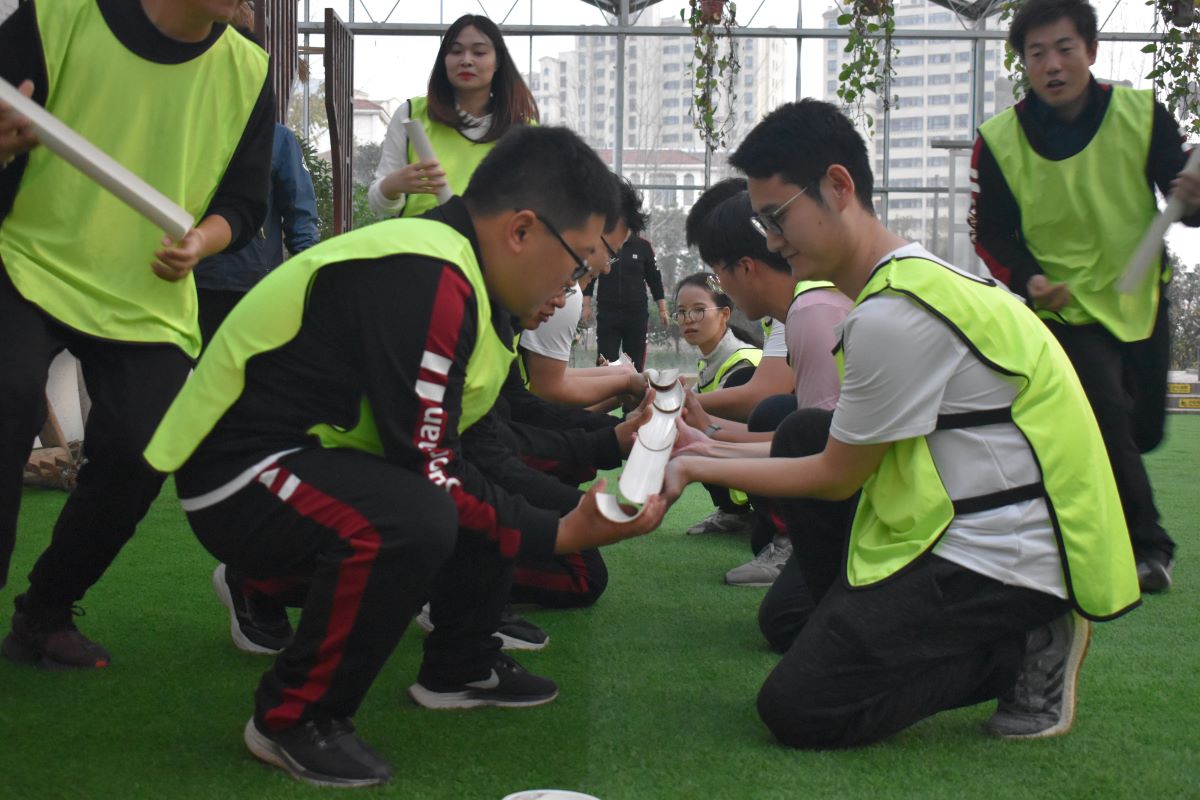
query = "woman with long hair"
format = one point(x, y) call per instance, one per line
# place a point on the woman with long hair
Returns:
point(475, 96)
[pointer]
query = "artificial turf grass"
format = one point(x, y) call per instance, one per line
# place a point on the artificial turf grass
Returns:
point(657, 691)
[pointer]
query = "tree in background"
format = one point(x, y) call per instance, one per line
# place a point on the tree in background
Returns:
point(1185, 314)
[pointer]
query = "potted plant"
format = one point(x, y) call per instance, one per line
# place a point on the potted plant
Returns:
point(1177, 60)
point(868, 68)
point(714, 67)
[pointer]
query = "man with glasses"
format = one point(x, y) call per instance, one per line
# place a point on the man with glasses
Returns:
point(622, 320)
point(988, 530)
point(797, 370)
point(318, 445)
point(545, 351)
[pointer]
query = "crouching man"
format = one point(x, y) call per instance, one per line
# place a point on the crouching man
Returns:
point(988, 530)
point(318, 443)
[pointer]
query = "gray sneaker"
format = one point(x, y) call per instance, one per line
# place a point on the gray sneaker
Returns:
point(1042, 702)
point(722, 522)
point(765, 567)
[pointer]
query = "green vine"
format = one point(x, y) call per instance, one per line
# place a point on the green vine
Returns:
point(1177, 60)
point(713, 74)
point(869, 69)
point(1012, 59)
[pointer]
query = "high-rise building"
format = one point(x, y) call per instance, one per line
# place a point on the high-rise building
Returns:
point(579, 89)
point(933, 91)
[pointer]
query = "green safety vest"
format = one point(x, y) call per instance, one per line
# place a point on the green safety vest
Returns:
point(1082, 217)
point(905, 509)
point(270, 315)
point(458, 155)
point(800, 288)
point(70, 247)
point(746, 355)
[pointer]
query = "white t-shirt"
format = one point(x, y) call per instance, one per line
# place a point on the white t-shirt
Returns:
point(775, 345)
point(394, 155)
point(554, 337)
point(903, 368)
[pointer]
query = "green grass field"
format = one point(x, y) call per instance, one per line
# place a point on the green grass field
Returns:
point(657, 691)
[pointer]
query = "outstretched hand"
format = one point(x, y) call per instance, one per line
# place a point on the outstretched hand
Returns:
point(585, 527)
point(689, 441)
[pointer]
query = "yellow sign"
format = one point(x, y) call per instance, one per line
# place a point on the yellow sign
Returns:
point(1189, 402)
point(1179, 388)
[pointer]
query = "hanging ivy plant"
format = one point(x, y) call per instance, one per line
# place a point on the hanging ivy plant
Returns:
point(1013, 64)
point(714, 73)
point(1176, 70)
point(869, 68)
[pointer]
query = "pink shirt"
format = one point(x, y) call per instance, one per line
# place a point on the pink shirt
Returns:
point(811, 332)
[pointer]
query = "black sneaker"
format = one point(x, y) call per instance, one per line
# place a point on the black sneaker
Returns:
point(509, 685)
point(517, 633)
point(256, 625)
point(1154, 574)
point(50, 640)
point(1042, 702)
point(323, 753)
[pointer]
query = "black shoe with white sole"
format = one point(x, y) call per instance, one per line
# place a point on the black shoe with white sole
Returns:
point(320, 752)
point(256, 625)
point(507, 685)
point(515, 632)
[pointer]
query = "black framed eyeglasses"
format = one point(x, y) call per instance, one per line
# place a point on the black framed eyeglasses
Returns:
point(692, 314)
point(581, 267)
point(768, 223)
point(613, 255)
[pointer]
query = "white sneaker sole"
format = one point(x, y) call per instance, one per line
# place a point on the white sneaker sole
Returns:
point(511, 643)
point(469, 699)
point(235, 631)
point(269, 752)
point(506, 642)
point(1080, 641)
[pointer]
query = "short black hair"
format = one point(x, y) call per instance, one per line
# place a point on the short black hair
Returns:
point(1038, 13)
point(800, 141)
point(549, 170)
point(718, 226)
point(635, 218)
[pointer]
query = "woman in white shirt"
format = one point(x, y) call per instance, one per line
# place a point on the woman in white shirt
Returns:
point(475, 96)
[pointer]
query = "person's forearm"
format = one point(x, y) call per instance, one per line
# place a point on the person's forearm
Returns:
point(581, 391)
point(734, 403)
point(770, 477)
point(217, 234)
point(594, 372)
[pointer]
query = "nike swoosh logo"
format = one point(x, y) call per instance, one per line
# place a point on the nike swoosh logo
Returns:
point(487, 683)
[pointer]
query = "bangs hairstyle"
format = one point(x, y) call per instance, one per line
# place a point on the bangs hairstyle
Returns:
point(800, 142)
point(1037, 13)
point(710, 283)
point(718, 226)
point(512, 103)
point(549, 170)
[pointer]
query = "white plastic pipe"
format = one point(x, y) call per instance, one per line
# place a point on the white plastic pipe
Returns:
point(1151, 245)
point(647, 464)
point(99, 166)
point(424, 150)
